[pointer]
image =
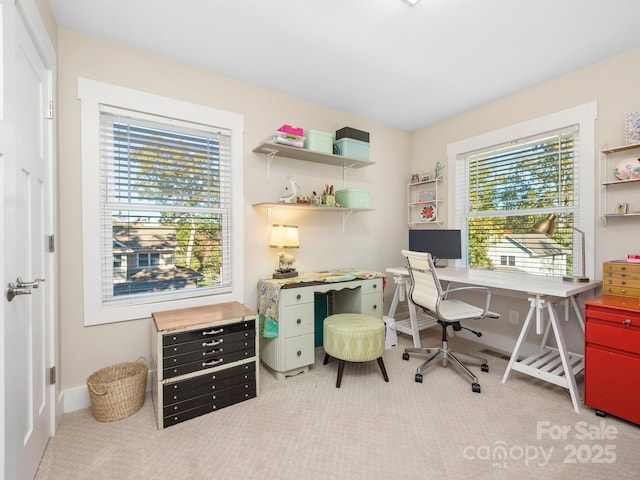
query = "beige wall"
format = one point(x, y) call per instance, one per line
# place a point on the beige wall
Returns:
point(371, 240)
point(613, 83)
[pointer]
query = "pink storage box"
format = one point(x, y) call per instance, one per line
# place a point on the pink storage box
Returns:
point(291, 130)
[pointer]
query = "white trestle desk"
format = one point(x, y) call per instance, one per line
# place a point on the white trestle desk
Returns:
point(552, 364)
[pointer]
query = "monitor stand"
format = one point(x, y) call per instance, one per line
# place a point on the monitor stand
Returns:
point(435, 263)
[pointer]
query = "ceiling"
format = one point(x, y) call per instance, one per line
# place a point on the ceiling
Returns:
point(401, 65)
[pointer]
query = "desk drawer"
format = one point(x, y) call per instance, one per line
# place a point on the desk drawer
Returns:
point(372, 286)
point(372, 305)
point(299, 320)
point(294, 296)
point(299, 351)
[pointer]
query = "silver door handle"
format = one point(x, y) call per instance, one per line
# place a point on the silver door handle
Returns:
point(22, 284)
point(14, 290)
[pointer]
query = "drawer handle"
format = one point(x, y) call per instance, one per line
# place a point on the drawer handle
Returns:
point(375, 307)
point(299, 353)
point(212, 362)
point(623, 290)
point(213, 332)
point(375, 285)
point(299, 321)
point(213, 344)
point(212, 352)
point(298, 297)
point(627, 322)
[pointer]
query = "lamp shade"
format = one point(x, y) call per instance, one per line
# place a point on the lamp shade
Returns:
point(546, 226)
point(284, 236)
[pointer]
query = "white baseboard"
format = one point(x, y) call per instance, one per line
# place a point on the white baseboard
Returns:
point(74, 399)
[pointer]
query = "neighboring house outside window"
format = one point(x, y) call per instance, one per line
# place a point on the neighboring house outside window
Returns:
point(166, 199)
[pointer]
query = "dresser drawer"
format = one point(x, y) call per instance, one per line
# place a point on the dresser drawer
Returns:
point(299, 351)
point(228, 386)
point(620, 291)
point(610, 382)
point(208, 333)
point(626, 269)
point(299, 320)
point(204, 344)
point(181, 390)
point(211, 361)
point(210, 403)
point(613, 336)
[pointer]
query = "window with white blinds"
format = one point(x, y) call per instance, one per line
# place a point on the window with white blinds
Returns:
point(502, 190)
point(166, 205)
point(162, 204)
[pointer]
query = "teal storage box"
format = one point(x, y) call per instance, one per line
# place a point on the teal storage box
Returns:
point(353, 198)
point(350, 147)
point(318, 141)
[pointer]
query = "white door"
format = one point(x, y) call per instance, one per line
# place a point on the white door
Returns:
point(28, 349)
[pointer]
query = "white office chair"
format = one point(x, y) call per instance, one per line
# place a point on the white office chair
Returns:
point(427, 293)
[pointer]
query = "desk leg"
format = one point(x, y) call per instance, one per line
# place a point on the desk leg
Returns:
point(564, 356)
point(534, 308)
point(413, 328)
point(553, 365)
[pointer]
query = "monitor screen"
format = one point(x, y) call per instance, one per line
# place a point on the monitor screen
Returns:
point(441, 244)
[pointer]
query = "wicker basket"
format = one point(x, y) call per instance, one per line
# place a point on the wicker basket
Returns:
point(118, 391)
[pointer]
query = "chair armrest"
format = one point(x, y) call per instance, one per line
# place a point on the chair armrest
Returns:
point(485, 290)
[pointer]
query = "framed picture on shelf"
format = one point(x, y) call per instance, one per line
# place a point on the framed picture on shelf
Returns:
point(622, 208)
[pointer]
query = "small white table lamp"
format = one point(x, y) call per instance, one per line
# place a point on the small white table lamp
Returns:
point(283, 237)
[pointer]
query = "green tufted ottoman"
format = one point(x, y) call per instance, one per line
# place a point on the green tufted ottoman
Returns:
point(353, 337)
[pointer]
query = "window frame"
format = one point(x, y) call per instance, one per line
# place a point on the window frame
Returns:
point(584, 116)
point(92, 94)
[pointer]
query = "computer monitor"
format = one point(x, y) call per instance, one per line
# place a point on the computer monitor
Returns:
point(441, 244)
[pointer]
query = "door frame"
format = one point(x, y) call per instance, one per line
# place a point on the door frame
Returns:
point(28, 12)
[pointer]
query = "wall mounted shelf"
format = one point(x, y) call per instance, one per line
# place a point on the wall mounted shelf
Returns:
point(614, 191)
point(271, 149)
point(346, 212)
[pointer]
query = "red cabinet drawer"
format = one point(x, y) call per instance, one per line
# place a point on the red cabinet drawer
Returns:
point(612, 335)
point(611, 382)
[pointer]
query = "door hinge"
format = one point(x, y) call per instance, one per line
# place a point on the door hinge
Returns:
point(50, 110)
point(52, 375)
point(52, 243)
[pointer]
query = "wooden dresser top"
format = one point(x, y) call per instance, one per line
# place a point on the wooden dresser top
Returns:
point(205, 315)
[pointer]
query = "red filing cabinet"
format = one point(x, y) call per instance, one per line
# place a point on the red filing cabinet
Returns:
point(612, 357)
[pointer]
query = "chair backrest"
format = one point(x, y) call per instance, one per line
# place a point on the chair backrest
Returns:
point(425, 290)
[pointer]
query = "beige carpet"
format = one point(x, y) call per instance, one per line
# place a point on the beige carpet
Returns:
point(305, 428)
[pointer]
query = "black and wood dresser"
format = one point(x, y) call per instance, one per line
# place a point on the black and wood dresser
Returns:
point(204, 358)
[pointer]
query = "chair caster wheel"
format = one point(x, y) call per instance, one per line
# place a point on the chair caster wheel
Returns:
point(405, 356)
point(475, 387)
point(484, 367)
point(418, 378)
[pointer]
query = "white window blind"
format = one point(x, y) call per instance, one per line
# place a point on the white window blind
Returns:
point(166, 207)
point(502, 190)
